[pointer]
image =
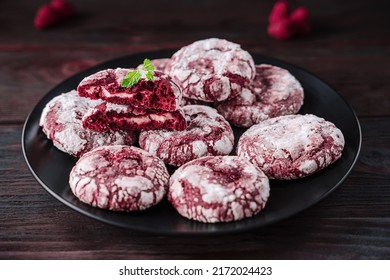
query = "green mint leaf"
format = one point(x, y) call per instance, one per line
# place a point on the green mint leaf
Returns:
point(149, 76)
point(148, 66)
point(131, 78)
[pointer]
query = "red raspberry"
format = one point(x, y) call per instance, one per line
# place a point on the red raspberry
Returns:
point(45, 17)
point(282, 29)
point(50, 14)
point(280, 10)
point(63, 8)
point(301, 20)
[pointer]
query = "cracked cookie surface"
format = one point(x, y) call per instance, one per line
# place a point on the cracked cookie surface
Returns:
point(212, 70)
point(62, 122)
point(161, 93)
point(293, 146)
point(218, 189)
point(207, 133)
point(120, 178)
point(274, 92)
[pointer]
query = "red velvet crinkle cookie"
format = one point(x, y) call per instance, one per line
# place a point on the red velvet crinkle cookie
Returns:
point(212, 70)
point(293, 146)
point(207, 133)
point(114, 117)
point(161, 93)
point(120, 178)
point(61, 121)
point(274, 92)
point(218, 189)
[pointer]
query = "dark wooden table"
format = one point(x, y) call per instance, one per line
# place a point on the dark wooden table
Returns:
point(349, 49)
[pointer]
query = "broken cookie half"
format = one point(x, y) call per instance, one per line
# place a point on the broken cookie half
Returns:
point(132, 99)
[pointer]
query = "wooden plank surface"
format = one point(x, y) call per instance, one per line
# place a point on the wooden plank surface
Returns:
point(349, 49)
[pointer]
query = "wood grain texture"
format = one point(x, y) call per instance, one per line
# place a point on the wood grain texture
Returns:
point(349, 49)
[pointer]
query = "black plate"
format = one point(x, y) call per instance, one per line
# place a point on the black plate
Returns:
point(51, 167)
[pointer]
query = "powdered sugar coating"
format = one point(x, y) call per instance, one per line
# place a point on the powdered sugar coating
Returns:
point(212, 70)
point(218, 189)
point(61, 121)
point(207, 133)
point(274, 92)
point(293, 146)
point(114, 117)
point(161, 93)
point(120, 178)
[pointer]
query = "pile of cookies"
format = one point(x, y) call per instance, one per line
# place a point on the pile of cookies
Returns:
point(125, 136)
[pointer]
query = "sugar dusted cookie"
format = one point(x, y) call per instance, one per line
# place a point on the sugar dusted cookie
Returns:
point(212, 70)
point(114, 117)
point(61, 121)
point(293, 146)
point(120, 178)
point(274, 92)
point(161, 93)
point(218, 189)
point(207, 133)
